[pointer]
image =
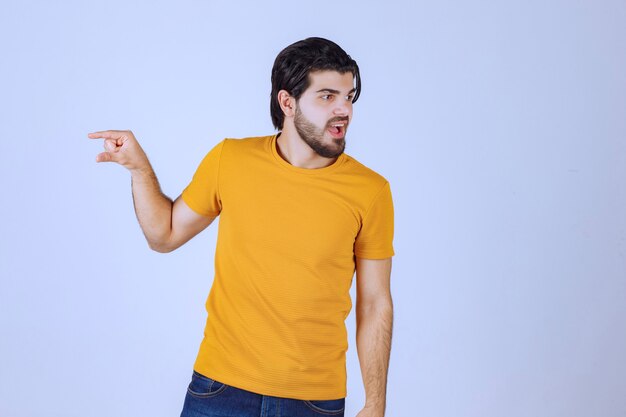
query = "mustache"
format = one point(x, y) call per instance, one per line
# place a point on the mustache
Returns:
point(338, 119)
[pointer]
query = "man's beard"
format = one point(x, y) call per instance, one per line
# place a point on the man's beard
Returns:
point(314, 136)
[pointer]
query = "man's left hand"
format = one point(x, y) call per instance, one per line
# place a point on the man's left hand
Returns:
point(371, 412)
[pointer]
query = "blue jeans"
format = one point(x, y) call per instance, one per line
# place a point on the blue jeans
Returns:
point(209, 398)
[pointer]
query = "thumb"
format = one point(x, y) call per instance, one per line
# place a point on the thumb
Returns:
point(105, 157)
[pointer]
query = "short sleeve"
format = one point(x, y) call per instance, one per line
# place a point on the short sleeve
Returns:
point(202, 193)
point(375, 239)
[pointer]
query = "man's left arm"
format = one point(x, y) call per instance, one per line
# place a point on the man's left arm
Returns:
point(374, 317)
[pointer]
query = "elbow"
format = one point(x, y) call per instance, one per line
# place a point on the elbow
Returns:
point(382, 303)
point(160, 247)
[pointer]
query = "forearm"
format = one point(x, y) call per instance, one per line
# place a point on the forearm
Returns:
point(152, 207)
point(373, 338)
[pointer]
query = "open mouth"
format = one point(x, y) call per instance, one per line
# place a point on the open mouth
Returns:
point(338, 129)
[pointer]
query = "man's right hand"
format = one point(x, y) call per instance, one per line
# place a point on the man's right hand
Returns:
point(122, 147)
point(167, 225)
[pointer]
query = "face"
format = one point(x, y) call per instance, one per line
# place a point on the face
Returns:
point(324, 111)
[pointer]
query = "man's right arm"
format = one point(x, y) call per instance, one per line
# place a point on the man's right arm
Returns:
point(166, 225)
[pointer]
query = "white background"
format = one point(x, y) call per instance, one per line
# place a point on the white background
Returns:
point(501, 127)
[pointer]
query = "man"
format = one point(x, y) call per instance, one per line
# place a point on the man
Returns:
point(298, 216)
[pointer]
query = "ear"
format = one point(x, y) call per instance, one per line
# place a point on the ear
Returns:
point(287, 103)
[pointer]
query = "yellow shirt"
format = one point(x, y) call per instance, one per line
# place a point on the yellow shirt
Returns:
point(284, 262)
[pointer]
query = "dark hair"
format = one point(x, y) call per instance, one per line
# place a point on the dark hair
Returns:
point(294, 63)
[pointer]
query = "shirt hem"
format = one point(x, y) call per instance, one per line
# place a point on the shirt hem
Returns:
point(374, 255)
point(310, 395)
point(192, 205)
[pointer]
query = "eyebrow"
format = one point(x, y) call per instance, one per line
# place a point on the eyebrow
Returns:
point(331, 91)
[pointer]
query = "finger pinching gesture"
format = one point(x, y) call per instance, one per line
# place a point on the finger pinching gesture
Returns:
point(121, 147)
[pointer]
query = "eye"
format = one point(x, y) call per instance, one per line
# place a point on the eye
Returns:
point(350, 97)
point(326, 97)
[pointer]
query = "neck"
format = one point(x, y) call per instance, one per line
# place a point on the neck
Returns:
point(294, 150)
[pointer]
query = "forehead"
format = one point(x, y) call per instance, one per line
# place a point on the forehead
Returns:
point(331, 80)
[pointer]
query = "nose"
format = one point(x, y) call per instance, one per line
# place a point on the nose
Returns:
point(342, 108)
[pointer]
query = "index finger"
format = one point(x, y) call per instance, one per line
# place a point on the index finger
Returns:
point(106, 134)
